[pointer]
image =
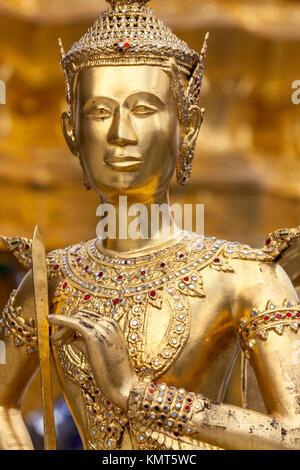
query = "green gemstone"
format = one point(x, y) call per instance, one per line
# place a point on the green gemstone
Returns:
point(15, 243)
point(283, 234)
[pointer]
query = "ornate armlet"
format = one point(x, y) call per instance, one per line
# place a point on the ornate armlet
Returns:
point(273, 318)
point(158, 412)
point(12, 323)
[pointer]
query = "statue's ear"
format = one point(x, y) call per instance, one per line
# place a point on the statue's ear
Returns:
point(69, 133)
point(193, 127)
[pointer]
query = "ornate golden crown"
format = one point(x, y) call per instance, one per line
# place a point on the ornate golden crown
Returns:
point(129, 33)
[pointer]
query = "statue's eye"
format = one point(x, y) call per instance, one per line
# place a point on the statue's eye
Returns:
point(142, 110)
point(101, 114)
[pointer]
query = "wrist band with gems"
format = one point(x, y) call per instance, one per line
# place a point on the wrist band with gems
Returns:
point(23, 331)
point(157, 412)
point(273, 318)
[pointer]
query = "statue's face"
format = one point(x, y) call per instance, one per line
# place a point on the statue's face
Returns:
point(127, 129)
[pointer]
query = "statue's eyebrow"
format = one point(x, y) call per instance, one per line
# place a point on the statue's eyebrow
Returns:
point(144, 95)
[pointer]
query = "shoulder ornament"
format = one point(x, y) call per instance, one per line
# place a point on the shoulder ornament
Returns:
point(276, 244)
point(21, 248)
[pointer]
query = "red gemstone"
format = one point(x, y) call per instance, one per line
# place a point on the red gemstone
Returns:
point(86, 268)
point(108, 429)
point(108, 403)
point(186, 279)
point(27, 247)
point(56, 267)
point(278, 315)
point(187, 408)
point(298, 315)
point(127, 44)
point(95, 412)
point(97, 392)
point(266, 318)
point(65, 285)
point(28, 336)
point(268, 241)
point(120, 277)
point(100, 274)
point(217, 260)
point(162, 265)
point(20, 330)
point(153, 293)
point(289, 315)
point(116, 301)
point(78, 259)
point(151, 390)
point(189, 400)
point(143, 273)
point(181, 255)
point(87, 297)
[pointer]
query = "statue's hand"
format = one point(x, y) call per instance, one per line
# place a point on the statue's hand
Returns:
point(106, 349)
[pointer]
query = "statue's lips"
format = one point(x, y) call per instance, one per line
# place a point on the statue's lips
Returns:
point(125, 163)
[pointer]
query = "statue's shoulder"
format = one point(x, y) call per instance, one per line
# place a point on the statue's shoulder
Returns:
point(276, 245)
point(21, 248)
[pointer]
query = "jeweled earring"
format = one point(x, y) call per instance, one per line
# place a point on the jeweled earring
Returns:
point(185, 165)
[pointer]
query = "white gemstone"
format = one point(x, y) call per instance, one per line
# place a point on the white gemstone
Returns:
point(136, 309)
point(179, 328)
point(191, 286)
point(167, 353)
point(174, 341)
point(175, 297)
point(179, 306)
point(133, 337)
point(272, 307)
point(134, 322)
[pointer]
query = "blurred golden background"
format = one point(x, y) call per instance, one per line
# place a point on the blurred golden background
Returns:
point(247, 163)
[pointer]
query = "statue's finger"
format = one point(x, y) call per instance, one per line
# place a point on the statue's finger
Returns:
point(73, 323)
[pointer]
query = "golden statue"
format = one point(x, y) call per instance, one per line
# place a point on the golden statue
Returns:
point(146, 331)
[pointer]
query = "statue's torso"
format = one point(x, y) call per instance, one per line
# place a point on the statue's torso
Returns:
point(175, 310)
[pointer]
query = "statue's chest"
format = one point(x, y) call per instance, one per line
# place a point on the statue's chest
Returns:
point(150, 297)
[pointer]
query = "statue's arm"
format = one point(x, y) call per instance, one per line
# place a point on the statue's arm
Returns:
point(275, 360)
point(18, 364)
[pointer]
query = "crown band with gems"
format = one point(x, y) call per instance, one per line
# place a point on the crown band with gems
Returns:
point(128, 33)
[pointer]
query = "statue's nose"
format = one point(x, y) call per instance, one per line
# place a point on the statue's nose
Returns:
point(122, 131)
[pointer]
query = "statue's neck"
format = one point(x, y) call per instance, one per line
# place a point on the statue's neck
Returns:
point(155, 229)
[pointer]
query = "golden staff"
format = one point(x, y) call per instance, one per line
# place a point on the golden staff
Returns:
point(40, 282)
